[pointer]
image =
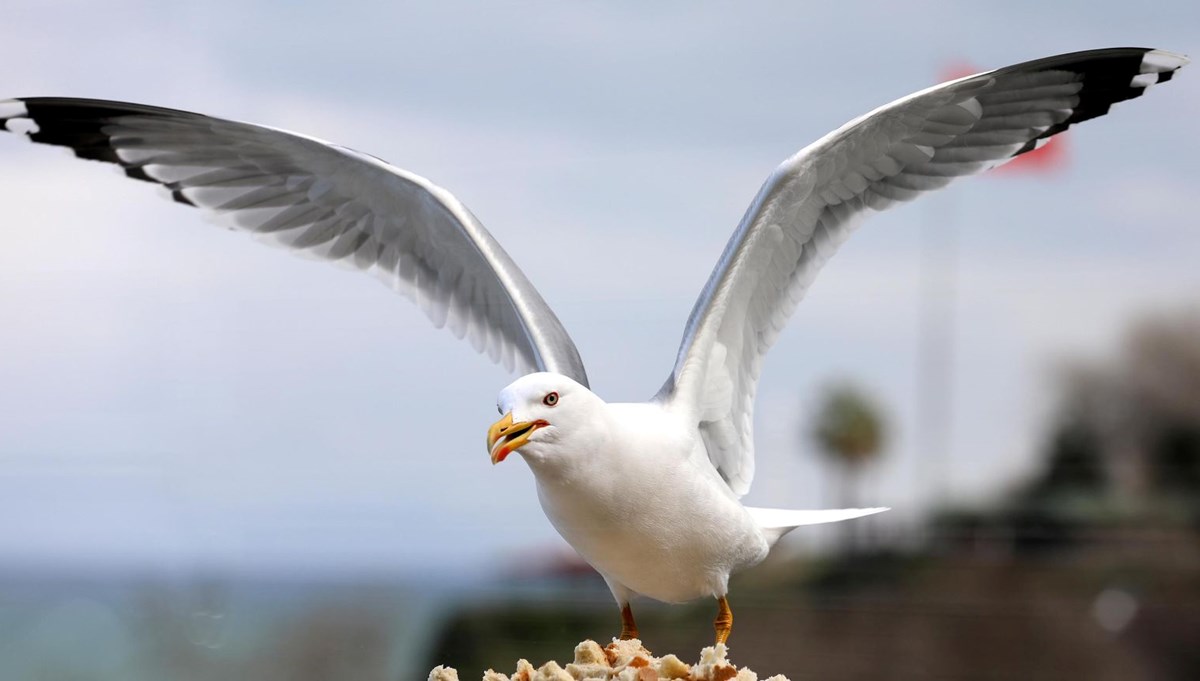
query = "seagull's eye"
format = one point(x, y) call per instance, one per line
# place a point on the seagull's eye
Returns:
point(550, 399)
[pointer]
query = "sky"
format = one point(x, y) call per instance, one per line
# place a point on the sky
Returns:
point(175, 397)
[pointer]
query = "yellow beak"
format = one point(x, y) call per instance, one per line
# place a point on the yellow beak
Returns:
point(505, 437)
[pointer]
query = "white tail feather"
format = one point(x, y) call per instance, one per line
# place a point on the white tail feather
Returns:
point(776, 522)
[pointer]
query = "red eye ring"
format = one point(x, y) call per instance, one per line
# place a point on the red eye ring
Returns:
point(550, 399)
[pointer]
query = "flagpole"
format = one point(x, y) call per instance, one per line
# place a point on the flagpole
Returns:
point(936, 318)
point(935, 346)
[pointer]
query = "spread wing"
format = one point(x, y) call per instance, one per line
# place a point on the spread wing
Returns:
point(325, 201)
point(812, 202)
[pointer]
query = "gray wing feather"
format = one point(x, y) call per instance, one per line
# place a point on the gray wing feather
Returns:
point(327, 202)
point(814, 200)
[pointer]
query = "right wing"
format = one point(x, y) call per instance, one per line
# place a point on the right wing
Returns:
point(326, 201)
point(812, 202)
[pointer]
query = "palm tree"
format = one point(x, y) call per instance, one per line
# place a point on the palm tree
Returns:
point(849, 429)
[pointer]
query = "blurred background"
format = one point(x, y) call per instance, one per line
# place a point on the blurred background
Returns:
point(218, 461)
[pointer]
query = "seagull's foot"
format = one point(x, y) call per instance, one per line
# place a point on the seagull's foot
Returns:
point(629, 628)
point(723, 624)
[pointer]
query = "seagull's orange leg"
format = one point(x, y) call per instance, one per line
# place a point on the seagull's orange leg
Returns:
point(724, 622)
point(628, 626)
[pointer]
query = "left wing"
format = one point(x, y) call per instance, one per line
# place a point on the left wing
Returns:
point(326, 201)
point(812, 202)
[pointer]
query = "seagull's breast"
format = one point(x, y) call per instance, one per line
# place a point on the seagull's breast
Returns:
point(648, 511)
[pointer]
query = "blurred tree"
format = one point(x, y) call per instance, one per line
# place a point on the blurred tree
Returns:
point(1138, 419)
point(1122, 450)
point(1075, 462)
point(1159, 385)
point(849, 429)
point(1125, 442)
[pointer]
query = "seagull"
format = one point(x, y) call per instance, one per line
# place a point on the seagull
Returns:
point(648, 493)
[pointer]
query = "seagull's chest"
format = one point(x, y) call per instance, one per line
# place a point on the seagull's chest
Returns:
point(646, 517)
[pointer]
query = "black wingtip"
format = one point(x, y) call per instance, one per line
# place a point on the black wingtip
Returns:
point(178, 196)
point(82, 125)
point(10, 110)
point(1108, 77)
point(79, 124)
point(139, 173)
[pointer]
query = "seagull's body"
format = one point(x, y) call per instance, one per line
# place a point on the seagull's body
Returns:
point(631, 488)
point(646, 509)
point(647, 493)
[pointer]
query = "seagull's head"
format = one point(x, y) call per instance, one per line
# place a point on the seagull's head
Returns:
point(548, 417)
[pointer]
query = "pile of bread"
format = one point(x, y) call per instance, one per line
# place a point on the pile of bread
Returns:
point(621, 661)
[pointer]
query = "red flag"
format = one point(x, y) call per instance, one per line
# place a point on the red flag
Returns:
point(1048, 158)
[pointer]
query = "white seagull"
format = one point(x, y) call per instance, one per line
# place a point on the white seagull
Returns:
point(648, 493)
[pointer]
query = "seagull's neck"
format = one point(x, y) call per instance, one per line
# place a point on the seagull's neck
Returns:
point(578, 447)
point(620, 435)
